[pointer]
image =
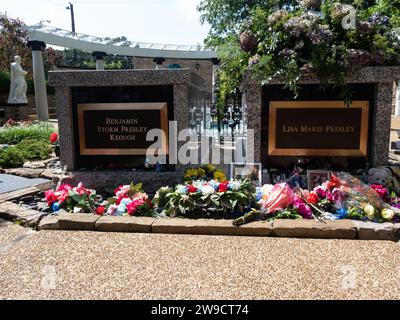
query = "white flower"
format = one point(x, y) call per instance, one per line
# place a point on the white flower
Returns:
point(388, 214)
point(266, 189)
point(111, 209)
point(234, 185)
point(181, 189)
point(207, 190)
point(369, 210)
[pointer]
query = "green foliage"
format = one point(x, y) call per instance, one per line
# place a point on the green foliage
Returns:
point(15, 134)
point(5, 84)
point(11, 158)
point(35, 149)
point(80, 201)
point(85, 60)
point(13, 38)
point(282, 39)
point(211, 204)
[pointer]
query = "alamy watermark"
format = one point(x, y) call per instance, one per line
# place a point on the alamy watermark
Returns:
point(187, 149)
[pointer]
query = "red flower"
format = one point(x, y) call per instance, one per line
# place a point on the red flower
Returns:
point(312, 198)
point(54, 137)
point(118, 202)
point(191, 189)
point(50, 197)
point(133, 206)
point(223, 186)
point(380, 190)
point(100, 210)
point(334, 182)
point(117, 190)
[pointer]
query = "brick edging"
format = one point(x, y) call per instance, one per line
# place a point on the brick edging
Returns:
point(341, 229)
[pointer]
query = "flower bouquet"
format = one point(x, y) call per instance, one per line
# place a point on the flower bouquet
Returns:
point(73, 199)
point(272, 199)
point(352, 199)
point(128, 200)
point(205, 198)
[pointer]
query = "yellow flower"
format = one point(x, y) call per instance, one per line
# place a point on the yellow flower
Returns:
point(191, 173)
point(201, 172)
point(210, 168)
point(219, 175)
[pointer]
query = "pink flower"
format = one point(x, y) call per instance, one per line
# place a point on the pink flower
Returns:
point(124, 196)
point(133, 206)
point(80, 189)
point(65, 187)
point(320, 192)
point(62, 196)
point(303, 209)
point(112, 209)
point(50, 197)
point(380, 190)
point(142, 195)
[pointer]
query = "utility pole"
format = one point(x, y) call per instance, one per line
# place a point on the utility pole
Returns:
point(71, 8)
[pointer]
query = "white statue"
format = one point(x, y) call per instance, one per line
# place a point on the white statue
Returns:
point(18, 84)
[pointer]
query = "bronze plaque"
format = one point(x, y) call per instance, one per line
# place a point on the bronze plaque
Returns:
point(120, 128)
point(318, 128)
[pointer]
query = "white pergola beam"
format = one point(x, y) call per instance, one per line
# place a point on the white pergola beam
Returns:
point(62, 38)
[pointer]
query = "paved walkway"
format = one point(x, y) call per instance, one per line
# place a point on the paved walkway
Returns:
point(88, 265)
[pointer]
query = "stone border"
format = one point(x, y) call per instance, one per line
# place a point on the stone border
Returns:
point(15, 213)
point(342, 229)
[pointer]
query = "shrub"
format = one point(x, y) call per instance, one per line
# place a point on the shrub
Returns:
point(11, 158)
point(14, 135)
point(34, 149)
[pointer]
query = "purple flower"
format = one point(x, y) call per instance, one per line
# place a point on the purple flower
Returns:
point(298, 25)
point(276, 17)
point(358, 58)
point(287, 53)
point(365, 27)
point(320, 34)
point(320, 192)
point(303, 209)
point(337, 196)
point(379, 19)
point(310, 4)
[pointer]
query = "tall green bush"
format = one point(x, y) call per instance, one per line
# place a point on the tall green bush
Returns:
point(14, 135)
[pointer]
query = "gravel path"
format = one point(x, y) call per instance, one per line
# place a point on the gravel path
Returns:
point(88, 265)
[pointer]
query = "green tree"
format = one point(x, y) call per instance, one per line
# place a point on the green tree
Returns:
point(285, 38)
point(13, 39)
point(227, 16)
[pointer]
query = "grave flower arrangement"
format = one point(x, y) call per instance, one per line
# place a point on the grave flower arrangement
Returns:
point(128, 200)
point(205, 172)
point(349, 198)
point(206, 198)
point(72, 199)
point(342, 197)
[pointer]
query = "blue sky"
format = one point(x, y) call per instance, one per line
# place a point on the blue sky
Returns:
point(159, 21)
